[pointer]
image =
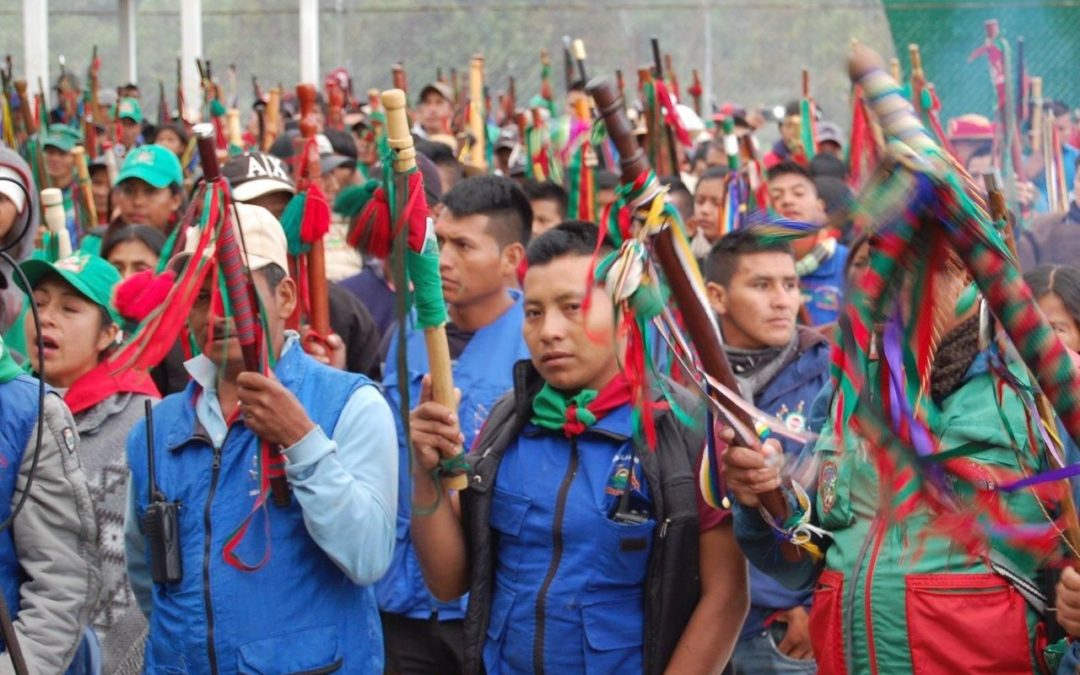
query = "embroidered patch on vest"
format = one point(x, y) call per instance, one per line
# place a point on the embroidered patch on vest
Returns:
point(795, 420)
point(827, 481)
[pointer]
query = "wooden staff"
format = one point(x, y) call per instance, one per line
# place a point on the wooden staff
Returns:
point(696, 90)
point(578, 50)
point(666, 132)
point(438, 349)
point(232, 127)
point(312, 175)
point(696, 314)
point(273, 118)
point(1036, 114)
point(673, 79)
point(335, 105)
point(86, 188)
point(918, 78)
point(477, 154)
point(26, 111)
point(52, 201)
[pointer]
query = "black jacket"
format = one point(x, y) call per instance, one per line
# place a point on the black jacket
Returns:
point(673, 581)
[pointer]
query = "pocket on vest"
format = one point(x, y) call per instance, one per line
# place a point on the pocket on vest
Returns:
point(949, 616)
point(309, 652)
point(826, 624)
point(613, 639)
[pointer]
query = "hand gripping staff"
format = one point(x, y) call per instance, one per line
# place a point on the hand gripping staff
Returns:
point(679, 268)
point(395, 222)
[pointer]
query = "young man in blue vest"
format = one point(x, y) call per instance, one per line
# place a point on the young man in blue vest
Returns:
point(819, 258)
point(482, 229)
point(754, 290)
point(49, 572)
point(293, 592)
point(583, 549)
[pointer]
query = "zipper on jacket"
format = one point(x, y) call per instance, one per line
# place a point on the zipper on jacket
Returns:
point(556, 557)
point(215, 469)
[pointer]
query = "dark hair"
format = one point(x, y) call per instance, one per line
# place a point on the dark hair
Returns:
point(981, 151)
point(674, 185)
point(439, 153)
point(792, 108)
point(825, 164)
point(574, 237)
point(787, 168)
point(174, 127)
point(1060, 108)
point(273, 275)
point(724, 256)
point(1061, 280)
point(678, 190)
point(150, 237)
point(546, 191)
point(712, 173)
point(500, 199)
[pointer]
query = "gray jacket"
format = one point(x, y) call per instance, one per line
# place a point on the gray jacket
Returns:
point(56, 542)
point(103, 432)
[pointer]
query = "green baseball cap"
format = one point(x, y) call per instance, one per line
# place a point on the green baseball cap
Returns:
point(155, 164)
point(93, 277)
point(130, 109)
point(62, 137)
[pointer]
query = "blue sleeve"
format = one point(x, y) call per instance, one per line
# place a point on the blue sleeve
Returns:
point(138, 569)
point(347, 486)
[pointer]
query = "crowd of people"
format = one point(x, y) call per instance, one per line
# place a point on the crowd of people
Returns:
point(578, 546)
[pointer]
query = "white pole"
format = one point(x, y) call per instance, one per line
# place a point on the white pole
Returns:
point(191, 48)
point(309, 41)
point(128, 53)
point(36, 45)
point(706, 105)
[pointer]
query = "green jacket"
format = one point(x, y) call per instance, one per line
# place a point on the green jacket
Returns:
point(902, 597)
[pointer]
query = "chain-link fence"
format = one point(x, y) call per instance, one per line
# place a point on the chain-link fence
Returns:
point(756, 49)
point(948, 31)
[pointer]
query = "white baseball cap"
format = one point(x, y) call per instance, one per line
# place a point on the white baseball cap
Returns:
point(12, 187)
point(260, 237)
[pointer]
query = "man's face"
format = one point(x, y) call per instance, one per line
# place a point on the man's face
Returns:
point(707, 200)
point(572, 350)
point(545, 215)
point(216, 336)
point(757, 308)
point(130, 132)
point(1064, 124)
point(790, 128)
point(99, 185)
point(794, 197)
point(471, 262)
point(978, 165)
point(59, 165)
point(167, 138)
point(831, 148)
point(435, 112)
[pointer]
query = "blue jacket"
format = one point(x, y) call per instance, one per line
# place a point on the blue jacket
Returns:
point(311, 606)
point(483, 372)
point(575, 605)
point(788, 396)
point(18, 415)
point(823, 289)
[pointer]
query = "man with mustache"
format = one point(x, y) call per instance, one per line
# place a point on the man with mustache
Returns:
point(482, 230)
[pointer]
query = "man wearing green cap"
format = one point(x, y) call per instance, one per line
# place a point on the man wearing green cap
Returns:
point(150, 188)
point(60, 168)
point(131, 119)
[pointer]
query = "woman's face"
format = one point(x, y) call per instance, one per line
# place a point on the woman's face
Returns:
point(168, 138)
point(1060, 320)
point(860, 262)
point(72, 332)
point(144, 204)
point(99, 184)
point(131, 257)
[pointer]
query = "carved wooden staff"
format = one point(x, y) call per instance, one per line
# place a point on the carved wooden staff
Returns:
point(477, 125)
point(312, 175)
point(438, 349)
point(694, 307)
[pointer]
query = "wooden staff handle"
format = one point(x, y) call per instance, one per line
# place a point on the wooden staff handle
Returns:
point(273, 118)
point(85, 186)
point(477, 154)
point(52, 201)
point(318, 293)
point(26, 111)
point(1036, 114)
point(232, 127)
point(696, 314)
point(438, 348)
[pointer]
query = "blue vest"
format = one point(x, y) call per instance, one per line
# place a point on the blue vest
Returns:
point(299, 612)
point(569, 580)
point(483, 372)
point(789, 397)
point(18, 419)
